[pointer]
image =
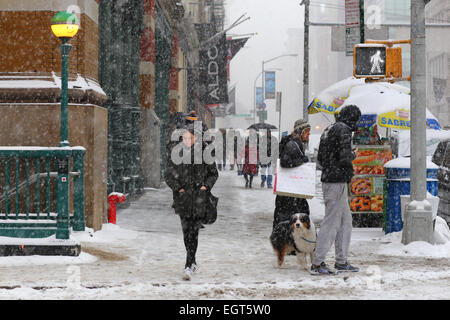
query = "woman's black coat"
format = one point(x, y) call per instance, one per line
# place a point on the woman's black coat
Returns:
point(292, 154)
point(191, 203)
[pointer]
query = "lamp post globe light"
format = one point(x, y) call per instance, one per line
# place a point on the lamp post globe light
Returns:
point(65, 26)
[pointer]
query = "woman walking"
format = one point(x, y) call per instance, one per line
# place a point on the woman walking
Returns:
point(191, 185)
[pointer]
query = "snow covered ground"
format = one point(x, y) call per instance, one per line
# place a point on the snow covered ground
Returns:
point(142, 257)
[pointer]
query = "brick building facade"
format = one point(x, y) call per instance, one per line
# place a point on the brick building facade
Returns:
point(30, 69)
point(134, 64)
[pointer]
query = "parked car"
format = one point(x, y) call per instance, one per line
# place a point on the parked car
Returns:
point(441, 157)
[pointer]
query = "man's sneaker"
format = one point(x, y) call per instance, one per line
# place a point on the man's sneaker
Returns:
point(187, 274)
point(321, 269)
point(345, 267)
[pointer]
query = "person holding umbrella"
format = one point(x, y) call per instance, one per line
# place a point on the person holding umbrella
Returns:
point(266, 139)
point(266, 168)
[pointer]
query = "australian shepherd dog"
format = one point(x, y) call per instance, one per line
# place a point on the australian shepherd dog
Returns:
point(299, 235)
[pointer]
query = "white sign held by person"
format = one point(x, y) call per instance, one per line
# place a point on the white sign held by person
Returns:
point(299, 182)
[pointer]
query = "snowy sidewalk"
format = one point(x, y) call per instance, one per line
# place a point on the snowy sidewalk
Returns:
point(142, 257)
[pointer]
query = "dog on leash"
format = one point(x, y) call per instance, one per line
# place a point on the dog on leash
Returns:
point(299, 235)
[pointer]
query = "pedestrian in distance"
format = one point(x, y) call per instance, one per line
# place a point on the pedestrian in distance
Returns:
point(191, 184)
point(335, 156)
point(250, 159)
point(266, 168)
point(222, 158)
point(292, 154)
point(237, 141)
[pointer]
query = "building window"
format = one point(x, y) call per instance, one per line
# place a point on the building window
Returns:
point(398, 10)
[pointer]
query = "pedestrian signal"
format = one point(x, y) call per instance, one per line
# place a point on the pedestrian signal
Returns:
point(377, 61)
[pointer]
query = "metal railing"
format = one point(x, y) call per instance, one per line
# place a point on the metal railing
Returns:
point(38, 187)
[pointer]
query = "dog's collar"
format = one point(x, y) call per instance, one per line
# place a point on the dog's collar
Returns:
point(308, 240)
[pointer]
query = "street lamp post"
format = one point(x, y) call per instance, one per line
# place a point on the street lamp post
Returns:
point(262, 74)
point(65, 26)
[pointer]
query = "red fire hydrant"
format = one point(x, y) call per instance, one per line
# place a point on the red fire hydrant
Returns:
point(113, 198)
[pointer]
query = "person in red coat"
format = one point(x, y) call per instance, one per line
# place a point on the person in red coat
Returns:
point(250, 168)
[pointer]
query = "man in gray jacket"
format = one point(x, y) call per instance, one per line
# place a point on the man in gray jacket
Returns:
point(335, 156)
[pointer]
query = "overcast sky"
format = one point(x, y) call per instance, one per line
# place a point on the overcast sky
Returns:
point(270, 20)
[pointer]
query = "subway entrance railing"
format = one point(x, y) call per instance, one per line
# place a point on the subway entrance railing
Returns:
point(41, 191)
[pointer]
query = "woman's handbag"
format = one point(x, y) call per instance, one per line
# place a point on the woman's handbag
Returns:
point(211, 209)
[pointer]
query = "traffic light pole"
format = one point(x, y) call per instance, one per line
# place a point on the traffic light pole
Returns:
point(418, 224)
point(261, 119)
point(306, 62)
point(361, 21)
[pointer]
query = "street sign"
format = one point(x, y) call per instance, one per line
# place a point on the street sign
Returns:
point(262, 115)
point(259, 97)
point(270, 84)
point(278, 102)
point(369, 61)
point(352, 25)
point(242, 115)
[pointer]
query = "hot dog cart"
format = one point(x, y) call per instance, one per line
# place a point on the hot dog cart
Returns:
point(366, 189)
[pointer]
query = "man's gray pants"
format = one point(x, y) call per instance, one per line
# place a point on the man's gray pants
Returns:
point(336, 226)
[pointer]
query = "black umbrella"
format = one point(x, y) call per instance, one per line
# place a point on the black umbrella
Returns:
point(262, 126)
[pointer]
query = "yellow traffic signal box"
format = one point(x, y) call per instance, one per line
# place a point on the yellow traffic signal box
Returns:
point(377, 60)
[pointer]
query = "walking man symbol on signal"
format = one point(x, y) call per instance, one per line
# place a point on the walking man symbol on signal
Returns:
point(376, 62)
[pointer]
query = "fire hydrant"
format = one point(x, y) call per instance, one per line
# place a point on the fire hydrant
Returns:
point(113, 198)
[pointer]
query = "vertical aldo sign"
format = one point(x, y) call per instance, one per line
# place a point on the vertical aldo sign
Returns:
point(213, 72)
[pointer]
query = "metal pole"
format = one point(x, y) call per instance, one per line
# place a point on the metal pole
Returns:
point(62, 185)
point(261, 119)
point(279, 123)
point(418, 222)
point(418, 101)
point(361, 21)
point(306, 62)
point(65, 50)
point(254, 101)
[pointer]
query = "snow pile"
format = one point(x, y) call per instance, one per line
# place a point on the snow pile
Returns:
point(79, 83)
point(441, 231)
point(108, 234)
point(405, 163)
point(420, 205)
point(441, 248)
point(13, 261)
point(43, 82)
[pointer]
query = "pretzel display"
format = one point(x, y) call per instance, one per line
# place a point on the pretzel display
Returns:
point(361, 186)
point(360, 204)
point(369, 170)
